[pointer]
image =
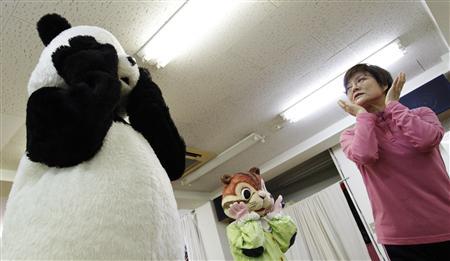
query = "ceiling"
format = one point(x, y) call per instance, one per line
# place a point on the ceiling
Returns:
point(264, 57)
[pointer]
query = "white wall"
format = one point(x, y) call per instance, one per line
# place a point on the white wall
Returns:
point(357, 189)
point(222, 231)
point(350, 172)
point(2, 210)
point(212, 233)
point(5, 188)
point(445, 145)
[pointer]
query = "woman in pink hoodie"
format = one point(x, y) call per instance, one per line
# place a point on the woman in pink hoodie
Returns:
point(397, 152)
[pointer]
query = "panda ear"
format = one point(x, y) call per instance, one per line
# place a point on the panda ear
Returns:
point(50, 25)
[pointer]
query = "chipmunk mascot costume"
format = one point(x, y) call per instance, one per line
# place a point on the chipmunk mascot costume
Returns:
point(93, 185)
point(260, 230)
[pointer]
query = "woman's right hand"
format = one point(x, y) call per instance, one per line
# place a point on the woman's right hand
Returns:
point(351, 108)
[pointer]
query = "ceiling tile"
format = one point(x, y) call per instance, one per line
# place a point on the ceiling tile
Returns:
point(6, 9)
point(134, 22)
point(76, 12)
point(20, 53)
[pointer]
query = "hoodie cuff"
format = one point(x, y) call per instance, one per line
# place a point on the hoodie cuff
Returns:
point(277, 215)
point(250, 216)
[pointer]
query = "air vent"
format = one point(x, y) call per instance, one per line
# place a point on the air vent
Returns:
point(195, 158)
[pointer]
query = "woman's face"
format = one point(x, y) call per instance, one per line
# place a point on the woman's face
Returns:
point(363, 90)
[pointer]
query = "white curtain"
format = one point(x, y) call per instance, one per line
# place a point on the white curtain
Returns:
point(444, 147)
point(326, 228)
point(194, 244)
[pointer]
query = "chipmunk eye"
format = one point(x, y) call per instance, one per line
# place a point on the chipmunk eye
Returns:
point(246, 193)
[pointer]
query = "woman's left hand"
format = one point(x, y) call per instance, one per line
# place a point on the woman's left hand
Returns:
point(351, 108)
point(394, 92)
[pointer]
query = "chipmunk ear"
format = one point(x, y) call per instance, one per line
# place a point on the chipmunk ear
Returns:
point(226, 179)
point(254, 170)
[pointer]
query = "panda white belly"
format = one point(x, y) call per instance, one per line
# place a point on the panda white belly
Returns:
point(118, 205)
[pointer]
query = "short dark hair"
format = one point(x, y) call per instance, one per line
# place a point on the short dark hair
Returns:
point(382, 76)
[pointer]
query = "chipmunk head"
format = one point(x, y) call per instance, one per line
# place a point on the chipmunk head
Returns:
point(247, 187)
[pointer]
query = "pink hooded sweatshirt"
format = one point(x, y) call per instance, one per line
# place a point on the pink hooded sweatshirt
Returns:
point(397, 153)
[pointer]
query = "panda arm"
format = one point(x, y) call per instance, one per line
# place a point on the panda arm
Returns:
point(67, 126)
point(149, 115)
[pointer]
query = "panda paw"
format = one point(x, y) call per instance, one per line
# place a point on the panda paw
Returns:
point(84, 42)
point(104, 87)
point(84, 54)
point(146, 91)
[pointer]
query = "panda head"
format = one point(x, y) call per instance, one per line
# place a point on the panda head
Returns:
point(56, 32)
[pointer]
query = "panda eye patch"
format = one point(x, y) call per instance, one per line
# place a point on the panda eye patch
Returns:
point(126, 80)
point(246, 193)
point(131, 60)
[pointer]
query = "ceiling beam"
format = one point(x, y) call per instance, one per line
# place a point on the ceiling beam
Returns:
point(440, 11)
point(7, 175)
point(9, 125)
point(194, 195)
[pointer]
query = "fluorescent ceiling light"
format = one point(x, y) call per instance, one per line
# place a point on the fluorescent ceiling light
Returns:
point(229, 153)
point(189, 25)
point(387, 55)
point(324, 95)
point(333, 89)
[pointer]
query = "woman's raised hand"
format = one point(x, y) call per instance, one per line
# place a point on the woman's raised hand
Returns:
point(351, 108)
point(394, 92)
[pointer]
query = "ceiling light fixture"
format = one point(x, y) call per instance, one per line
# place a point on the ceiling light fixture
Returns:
point(332, 90)
point(229, 153)
point(387, 55)
point(188, 25)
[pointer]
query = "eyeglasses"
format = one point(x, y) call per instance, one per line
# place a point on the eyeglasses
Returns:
point(358, 80)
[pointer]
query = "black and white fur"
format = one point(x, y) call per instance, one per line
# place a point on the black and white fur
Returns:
point(92, 186)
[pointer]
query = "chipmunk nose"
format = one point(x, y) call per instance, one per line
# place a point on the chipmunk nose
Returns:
point(262, 194)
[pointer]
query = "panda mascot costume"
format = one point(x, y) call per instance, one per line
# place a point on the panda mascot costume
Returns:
point(91, 184)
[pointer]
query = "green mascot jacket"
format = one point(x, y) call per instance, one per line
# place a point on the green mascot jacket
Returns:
point(274, 234)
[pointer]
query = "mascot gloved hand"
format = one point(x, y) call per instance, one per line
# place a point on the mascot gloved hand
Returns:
point(91, 184)
point(260, 230)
